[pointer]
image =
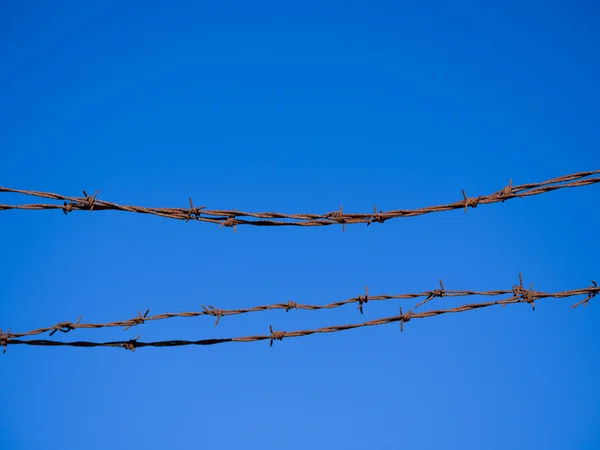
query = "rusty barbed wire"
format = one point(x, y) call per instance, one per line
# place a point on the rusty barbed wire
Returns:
point(210, 310)
point(520, 295)
point(233, 218)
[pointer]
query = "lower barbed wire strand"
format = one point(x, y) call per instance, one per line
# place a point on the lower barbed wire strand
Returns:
point(211, 310)
point(8, 339)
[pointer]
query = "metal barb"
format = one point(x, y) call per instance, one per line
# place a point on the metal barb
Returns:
point(362, 300)
point(89, 201)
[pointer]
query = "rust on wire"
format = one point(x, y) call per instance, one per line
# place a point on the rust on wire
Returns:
point(215, 312)
point(402, 318)
point(518, 295)
point(233, 218)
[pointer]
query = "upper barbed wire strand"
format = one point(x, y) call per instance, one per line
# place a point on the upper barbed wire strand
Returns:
point(233, 218)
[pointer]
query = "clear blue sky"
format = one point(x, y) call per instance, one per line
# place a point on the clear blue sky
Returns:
point(296, 108)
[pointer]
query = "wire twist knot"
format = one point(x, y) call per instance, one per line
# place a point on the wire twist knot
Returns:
point(507, 191)
point(338, 216)
point(362, 300)
point(68, 207)
point(212, 311)
point(524, 294)
point(89, 201)
point(291, 305)
point(275, 335)
point(65, 327)
point(194, 212)
point(377, 216)
point(230, 222)
point(404, 318)
point(140, 319)
point(132, 344)
point(433, 294)
point(472, 202)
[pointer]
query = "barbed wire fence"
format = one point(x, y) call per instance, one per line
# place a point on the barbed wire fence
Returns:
point(232, 218)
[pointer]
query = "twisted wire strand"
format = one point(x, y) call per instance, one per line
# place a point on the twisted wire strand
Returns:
point(233, 218)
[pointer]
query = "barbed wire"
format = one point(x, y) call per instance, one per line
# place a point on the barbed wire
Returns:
point(519, 295)
point(211, 310)
point(233, 218)
point(219, 313)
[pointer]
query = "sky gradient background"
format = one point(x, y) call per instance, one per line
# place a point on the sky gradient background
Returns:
point(300, 108)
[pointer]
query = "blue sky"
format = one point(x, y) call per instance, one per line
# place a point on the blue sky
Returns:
point(299, 108)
